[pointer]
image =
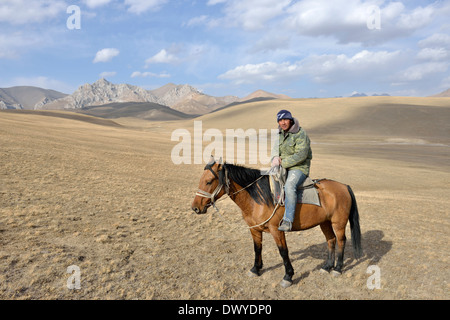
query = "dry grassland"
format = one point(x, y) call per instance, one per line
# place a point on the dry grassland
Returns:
point(109, 200)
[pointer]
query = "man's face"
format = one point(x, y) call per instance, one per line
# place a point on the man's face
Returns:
point(285, 124)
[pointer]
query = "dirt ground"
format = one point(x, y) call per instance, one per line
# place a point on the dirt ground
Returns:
point(109, 200)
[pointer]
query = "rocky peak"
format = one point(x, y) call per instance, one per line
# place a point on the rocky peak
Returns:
point(173, 94)
point(184, 98)
point(103, 91)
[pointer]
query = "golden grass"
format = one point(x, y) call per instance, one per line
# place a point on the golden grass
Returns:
point(109, 200)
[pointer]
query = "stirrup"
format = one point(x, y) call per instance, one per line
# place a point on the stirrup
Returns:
point(285, 226)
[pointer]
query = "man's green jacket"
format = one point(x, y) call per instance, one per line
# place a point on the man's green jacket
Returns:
point(294, 149)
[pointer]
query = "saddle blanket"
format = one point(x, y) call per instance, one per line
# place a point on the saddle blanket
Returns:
point(306, 193)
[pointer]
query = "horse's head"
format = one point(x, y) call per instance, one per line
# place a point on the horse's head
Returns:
point(210, 187)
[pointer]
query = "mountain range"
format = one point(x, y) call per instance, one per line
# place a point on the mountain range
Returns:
point(358, 95)
point(183, 98)
point(128, 99)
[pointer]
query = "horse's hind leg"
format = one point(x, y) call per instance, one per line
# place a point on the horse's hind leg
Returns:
point(341, 239)
point(327, 230)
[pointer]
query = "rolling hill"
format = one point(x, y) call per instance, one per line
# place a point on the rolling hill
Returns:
point(409, 118)
point(263, 94)
point(443, 94)
point(143, 110)
point(27, 97)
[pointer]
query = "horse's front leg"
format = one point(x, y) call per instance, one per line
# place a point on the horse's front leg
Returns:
point(280, 240)
point(257, 244)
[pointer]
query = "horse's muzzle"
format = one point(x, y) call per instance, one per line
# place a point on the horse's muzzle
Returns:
point(198, 211)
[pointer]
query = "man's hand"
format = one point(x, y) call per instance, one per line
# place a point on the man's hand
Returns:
point(276, 161)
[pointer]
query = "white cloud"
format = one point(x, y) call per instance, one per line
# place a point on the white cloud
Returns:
point(106, 55)
point(249, 14)
point(96, 3)
point(362, 59)
point(267, 71)
point(421, 71)
point(138, 74)
point(417, 18)
point(326, 68)
point(436, 40)
point(141, 6)
point(18, 12)
point(435, 48)
point(344, 20)
point(162, 57)
point(214, 2)
point(433, 54)
point(363, 66)
point(320, 17)
point(347, 20)
point(254, 14)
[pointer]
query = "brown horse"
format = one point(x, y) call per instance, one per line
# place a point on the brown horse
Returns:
point(251, 192)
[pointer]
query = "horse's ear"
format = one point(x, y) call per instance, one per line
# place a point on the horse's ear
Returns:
point(211, 160)
point(220, 161)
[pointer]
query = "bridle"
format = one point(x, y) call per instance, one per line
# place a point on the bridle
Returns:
point(212, 196)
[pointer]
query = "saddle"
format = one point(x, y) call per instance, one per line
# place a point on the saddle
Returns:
point(306, 192)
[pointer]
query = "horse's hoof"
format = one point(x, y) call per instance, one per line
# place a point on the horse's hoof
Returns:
point(335, 273)
point(324, 271)
point(285, 284)
point(251, 274)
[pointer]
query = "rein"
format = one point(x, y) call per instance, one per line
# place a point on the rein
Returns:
point(219, 187)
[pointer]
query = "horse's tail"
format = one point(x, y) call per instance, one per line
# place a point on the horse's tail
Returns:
point(354, 226)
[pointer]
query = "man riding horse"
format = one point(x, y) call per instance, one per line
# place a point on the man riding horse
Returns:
point(294, 154)
point(251, 192)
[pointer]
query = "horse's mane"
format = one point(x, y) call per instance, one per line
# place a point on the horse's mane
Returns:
point(260, 191)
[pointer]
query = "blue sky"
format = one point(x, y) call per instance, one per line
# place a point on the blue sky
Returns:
point(303, 48)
